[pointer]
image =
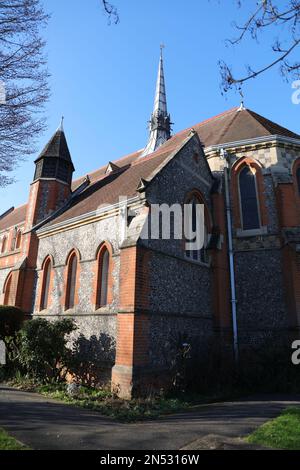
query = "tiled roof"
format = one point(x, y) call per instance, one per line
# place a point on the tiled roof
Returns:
point(231, 126)
point(15, 217)
point(108, 188)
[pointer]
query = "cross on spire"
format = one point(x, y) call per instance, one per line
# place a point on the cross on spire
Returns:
point(62, 123)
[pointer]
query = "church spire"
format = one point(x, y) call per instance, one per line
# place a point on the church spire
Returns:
point(160, 122)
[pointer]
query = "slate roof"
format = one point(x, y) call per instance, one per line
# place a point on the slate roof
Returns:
point(15, 217)
point(231, 126)
point(57, 147)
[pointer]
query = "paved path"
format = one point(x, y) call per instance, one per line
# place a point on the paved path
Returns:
point(43, 423)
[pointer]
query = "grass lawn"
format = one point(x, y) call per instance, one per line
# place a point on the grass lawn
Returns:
point(9, 443)
point(280, 433)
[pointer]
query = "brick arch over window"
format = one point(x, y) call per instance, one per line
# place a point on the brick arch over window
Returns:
point(296, 175)
point(18, 240)
point(195, 197)
point(103, 286)
point(13, 240)
point(46, 284)
point(7, 290)
point(248, 197)
point(72, 280)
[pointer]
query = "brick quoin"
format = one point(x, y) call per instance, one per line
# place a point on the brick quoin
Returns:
point(221, 279)
point(133, 322)
point(289, 217)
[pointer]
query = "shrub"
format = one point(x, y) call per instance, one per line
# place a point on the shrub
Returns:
point(11, 321)
point(43, 351)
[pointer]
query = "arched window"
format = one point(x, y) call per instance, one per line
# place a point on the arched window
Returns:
point(4, 244)
point(248, 199)
point(196, 222)
point(103, 277)
point(13, 240)
point(18, 240)
point(7, 290)
point(46, 284)
point(298, 179)
point(71, 281)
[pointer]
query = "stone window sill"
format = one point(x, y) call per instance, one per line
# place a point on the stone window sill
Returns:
point(104, 309)
point(252, 233)
point(10, 253)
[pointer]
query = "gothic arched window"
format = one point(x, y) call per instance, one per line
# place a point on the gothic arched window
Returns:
point(298, 179)
point(13, 240)
point(248, 199)
point(71, 281)
point(194, 225)
point(7, 290)
point(4, 244)
point(103, 277)
point(18, 240)
point(46, 284)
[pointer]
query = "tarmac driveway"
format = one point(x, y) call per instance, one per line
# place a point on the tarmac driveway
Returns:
point(43, 423)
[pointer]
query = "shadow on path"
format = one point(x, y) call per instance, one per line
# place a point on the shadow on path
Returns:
point(43, 423)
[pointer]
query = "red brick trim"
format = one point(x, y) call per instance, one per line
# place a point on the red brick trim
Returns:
point(4, 244)
point(7, 288)
point(13, 289)
point(48, 259)
point(133, 328)
point(291, 275)
point(235, 172)
point(18, 240)
point(295, 168)
point(97, 270)
point(220, 269)
point(65, 297)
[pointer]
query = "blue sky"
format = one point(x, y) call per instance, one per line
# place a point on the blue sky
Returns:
point(103, 77)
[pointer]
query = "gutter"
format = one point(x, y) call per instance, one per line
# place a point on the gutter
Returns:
point(257, 140)
point(87, 216)
point(225, 156)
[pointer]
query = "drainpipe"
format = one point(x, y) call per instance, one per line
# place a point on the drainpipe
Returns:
point(224, 155)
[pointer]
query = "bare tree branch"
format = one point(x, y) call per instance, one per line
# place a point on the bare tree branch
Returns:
point(268, 14)
point(23, 81)
point(111, 11)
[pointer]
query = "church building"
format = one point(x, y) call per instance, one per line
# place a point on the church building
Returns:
point(75, 249)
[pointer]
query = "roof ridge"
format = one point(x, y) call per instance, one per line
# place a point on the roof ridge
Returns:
point(154, 154)
point(201, 123)
point(103, 167)
point(254, 115)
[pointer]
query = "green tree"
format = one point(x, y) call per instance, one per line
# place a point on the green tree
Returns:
point(11, 321)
